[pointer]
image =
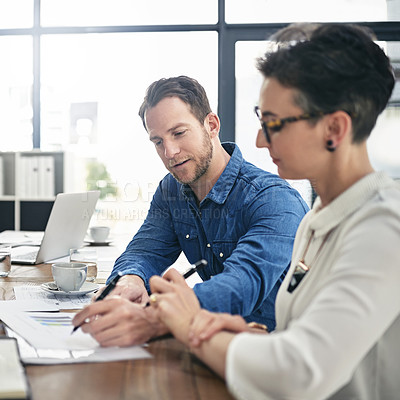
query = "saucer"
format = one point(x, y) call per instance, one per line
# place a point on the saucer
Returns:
point(91, 242)
point(87, 287)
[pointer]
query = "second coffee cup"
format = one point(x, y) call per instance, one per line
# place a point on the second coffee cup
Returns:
point(69, 276)
point(99, 233)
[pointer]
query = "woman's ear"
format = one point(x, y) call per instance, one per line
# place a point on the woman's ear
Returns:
point(212, 124)
point(338, 127)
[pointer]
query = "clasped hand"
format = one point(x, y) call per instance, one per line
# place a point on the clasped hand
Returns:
point(179, 309)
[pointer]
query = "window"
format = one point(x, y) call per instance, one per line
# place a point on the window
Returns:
point(383, 144)
point(127, 12)
point(269, 11)
point(16, 14)
point(75, 73)
point(16, 93)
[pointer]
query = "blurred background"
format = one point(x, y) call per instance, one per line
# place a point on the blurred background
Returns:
point(73, 74)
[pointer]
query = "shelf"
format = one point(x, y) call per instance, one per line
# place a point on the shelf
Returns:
point(29, 182)
point(7, 198)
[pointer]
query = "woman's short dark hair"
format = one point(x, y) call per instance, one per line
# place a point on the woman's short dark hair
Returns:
point(338, 67)
point(187, 89)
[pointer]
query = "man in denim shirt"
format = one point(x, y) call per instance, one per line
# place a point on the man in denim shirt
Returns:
point(213, 205)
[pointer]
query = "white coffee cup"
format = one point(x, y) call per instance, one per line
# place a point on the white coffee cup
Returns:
point(5, 260)
point(69, 276)
point(99, 233)
point(85, 255)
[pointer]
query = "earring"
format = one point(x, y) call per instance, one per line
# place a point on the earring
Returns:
point(329, 146)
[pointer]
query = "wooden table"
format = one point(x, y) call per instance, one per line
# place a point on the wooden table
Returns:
point(172, 373)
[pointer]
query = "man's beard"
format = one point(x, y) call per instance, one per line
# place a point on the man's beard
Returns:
point(203, 164)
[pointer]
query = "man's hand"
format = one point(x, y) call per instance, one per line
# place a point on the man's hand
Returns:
point(130, 287)
point(116, 321)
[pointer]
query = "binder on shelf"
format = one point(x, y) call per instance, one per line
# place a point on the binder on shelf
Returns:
point(34, 177)
point(46, 177)
point(37, 178)
point(23, 177)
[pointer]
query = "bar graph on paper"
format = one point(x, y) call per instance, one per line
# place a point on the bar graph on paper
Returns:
point(47, 339)
point(49, 330)
point(53, 321)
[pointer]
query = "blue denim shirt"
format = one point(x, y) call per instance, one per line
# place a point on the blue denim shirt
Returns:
point(244, 228)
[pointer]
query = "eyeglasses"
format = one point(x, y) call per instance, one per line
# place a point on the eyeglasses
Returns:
point(275, 125)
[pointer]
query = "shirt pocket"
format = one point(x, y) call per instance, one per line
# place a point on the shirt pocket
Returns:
point(222, 250)
point(189, 239)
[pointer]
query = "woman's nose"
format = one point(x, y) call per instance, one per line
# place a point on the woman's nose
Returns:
point(261, 140)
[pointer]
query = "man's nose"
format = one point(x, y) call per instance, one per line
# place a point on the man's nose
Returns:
point(171, 149)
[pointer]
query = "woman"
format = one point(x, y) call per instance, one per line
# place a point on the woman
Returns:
point(338, 309)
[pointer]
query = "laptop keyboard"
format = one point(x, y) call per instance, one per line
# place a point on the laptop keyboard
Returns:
point(31, 256)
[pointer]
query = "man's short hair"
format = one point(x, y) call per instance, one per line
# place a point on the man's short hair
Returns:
point(187, 89)
point(338, 67)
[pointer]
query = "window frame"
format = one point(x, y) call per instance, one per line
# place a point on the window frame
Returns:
point(228, 35)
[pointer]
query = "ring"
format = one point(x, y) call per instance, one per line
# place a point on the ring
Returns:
point(153, 298)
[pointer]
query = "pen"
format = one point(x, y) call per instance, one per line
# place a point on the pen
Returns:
point(103, 294)
point(196, 267)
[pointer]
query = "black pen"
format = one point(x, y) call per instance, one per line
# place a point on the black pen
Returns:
point(196, 267)
point(103, 294)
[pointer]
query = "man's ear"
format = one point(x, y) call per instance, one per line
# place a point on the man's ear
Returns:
point(212, 124)
point(338, 127)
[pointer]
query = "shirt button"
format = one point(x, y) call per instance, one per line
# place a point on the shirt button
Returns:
point(187, 236)
point(208, 245)
point(221, 254)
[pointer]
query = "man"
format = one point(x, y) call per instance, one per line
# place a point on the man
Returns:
point(214, 206)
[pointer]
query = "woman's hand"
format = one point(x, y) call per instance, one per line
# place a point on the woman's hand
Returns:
point(206, 324)
point(175, 302)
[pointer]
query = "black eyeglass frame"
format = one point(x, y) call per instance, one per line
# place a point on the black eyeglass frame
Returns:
point(276, 124)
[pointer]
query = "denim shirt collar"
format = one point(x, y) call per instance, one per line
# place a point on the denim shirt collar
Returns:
point(220, 191)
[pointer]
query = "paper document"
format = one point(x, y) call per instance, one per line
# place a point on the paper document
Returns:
point(15, 238)
point(63, 302)
point(45, 338)
point(28, 305)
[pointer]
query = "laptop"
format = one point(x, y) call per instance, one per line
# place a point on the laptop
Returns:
point(66, 228)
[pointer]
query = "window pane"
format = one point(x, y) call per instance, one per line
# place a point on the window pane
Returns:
point(16, 14)
point(127, 12)
point(15, 93)
point(92, 88)
point(383, 145)
point(248, 84)
point(267, 11)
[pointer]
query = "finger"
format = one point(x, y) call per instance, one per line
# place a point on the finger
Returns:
point(83, 315)
point(97, 308)
point(170, 281)
point(217, 325)
point(172, 275)
point(153, 300)
point(206, 325)
point(125, 327)
point(112, 311)
point(200, 321)
point(97, 294)
point(160, 285)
